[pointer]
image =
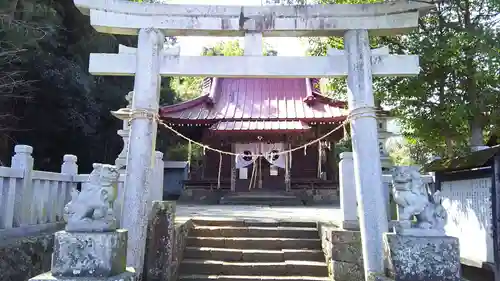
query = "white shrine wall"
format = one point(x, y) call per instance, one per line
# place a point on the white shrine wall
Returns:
point(468, 205)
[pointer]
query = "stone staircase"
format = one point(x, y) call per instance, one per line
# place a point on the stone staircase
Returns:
point(261, 198)
point(251, 250)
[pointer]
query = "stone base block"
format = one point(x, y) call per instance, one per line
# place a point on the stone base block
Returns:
point(317, 197)
point(128, 275)
point(161, 234)
point(201, 195)
point(91, 254)
point(344, 271)
point(379, 278)
point(350, 225)
point(348, 252)
point(422, 258)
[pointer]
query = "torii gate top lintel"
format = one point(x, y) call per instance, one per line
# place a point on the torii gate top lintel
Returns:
point(122, 17)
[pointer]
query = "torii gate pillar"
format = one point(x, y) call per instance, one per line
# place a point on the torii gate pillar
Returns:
point(140, 158)
point(367, 168)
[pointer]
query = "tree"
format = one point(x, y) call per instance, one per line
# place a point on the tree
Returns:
point(455, 97)
point(318, 46)
point(50, 100)
point(407, 151)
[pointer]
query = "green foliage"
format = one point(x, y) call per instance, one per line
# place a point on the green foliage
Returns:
point(407, 151)
point(47, 97)
point(343, 145)
point(454, 99)
point(318, 46)
point(190, 87)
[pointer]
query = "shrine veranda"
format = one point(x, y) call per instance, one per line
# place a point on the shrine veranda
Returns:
point(152, 22)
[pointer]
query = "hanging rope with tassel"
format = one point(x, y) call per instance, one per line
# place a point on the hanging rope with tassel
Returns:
point(220, 169)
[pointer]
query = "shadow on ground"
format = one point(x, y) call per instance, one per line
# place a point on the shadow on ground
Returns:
point(476, 274)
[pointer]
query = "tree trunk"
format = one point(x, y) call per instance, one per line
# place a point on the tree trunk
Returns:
point(475, 118)
point(476, 131)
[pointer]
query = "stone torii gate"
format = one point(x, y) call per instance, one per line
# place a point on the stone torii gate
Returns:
point(152, 22)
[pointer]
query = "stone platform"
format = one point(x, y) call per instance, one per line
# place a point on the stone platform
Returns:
point(267, 213)
point(89, 256)
point(128, 275)
point(261, 198)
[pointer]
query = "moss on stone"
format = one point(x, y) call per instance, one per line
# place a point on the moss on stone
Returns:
point(26, 257)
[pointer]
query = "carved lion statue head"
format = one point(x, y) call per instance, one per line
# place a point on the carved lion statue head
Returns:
point(105, 176)
point(403, 175)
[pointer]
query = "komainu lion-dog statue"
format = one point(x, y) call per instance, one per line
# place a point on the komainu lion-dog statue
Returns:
point(91, 209)
point(414, 200)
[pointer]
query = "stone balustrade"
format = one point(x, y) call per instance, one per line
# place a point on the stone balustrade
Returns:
point(32, 201)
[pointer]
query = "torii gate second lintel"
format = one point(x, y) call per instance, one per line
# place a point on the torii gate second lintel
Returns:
point(335, 65)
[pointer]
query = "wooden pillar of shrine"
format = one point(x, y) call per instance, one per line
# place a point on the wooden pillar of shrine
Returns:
point(288, 165)
point(233, 171)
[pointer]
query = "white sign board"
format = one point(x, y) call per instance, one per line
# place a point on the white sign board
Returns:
point(468, 204)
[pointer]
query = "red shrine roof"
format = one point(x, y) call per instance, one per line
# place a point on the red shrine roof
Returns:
point(248, 104)
point(260, 126)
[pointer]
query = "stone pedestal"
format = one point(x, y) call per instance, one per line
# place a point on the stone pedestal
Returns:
point(348, 202)
point(422, 258)
point(161, 235)
point(92, 256)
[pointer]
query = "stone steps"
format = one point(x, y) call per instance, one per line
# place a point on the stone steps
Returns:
point(266, 243)
point(255, 231)
point(261, 198)
point(250, 278)
point(287, 268)
point(262, 202)
point(253, 255)
point(252, 223)
point(241, 250)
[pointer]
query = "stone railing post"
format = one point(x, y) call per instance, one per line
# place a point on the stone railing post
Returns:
point(156, 188)
point(69, 165)
point(160, 167)
point(348, 203)
point(387, 198)
point(24, 211)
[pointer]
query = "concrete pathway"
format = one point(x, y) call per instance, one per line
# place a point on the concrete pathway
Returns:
point(275, 213)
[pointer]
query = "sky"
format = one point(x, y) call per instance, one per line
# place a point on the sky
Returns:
point(192, 46)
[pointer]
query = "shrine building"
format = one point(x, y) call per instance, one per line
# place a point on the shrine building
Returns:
point(261, 116)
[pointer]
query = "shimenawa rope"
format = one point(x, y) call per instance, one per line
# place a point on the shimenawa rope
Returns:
point(144, 113)
point(359, 112)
